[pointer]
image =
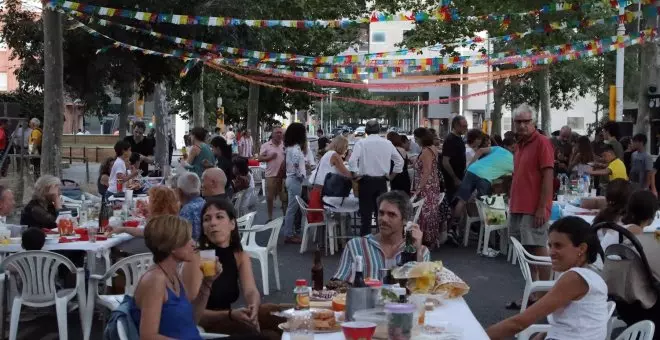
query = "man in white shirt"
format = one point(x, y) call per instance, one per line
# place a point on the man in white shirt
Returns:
point(371, 159)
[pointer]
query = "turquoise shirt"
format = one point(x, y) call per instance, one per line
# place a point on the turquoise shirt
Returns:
point(497, 163)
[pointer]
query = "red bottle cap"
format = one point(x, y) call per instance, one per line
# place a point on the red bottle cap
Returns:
point(301, 282)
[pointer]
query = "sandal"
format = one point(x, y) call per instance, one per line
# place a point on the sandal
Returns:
point(514, 305)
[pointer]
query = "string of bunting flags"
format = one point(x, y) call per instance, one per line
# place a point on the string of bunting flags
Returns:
point(346, 59)
point(348, 99)
point(441, 13)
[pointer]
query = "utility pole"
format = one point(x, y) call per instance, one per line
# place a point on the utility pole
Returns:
point(51, 156)
point(620, 56)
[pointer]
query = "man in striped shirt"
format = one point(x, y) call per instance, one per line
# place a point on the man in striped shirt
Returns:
point(383, 250)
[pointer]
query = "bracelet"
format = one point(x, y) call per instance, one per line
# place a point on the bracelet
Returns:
point(229, 314)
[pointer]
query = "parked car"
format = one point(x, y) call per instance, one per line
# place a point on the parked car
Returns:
point(359, 132)
point(395, 129)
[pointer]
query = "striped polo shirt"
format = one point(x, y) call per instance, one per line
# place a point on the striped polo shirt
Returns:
point(374, 258)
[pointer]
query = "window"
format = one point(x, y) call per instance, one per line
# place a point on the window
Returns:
point(3, 81)
point(576, 123)
point(378, 37)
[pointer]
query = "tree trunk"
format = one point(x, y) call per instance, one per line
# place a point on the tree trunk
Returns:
point(496, 114)
point(253, 116)
point(160, 112)
point(648, 75)
point(127, 94)
point(51, 155)
point(199, 119)
point(543, 78)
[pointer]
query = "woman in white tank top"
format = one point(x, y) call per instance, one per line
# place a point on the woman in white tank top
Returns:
point(332, 161)
point(576, 306)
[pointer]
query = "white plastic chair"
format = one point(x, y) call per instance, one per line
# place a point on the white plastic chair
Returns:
point(538, 328)
point(524, 260)
point(417, 208)
point(238, 202)
point(121, 331)
point(245, 223)
point(258, 173)
point(486, 228)
point(468, 222)
point(132, 267)
point(261, 253)
point(37, 271)
point(306, 226)
point(642, 330)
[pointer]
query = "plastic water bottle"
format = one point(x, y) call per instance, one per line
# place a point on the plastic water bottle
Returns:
point(587, 185)
point(580, 185)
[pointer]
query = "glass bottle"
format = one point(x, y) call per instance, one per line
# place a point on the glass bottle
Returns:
point(317, 272)
point(358, 282)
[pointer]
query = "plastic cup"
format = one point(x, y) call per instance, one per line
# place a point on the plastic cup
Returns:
point(91, 233)
point(208, 262)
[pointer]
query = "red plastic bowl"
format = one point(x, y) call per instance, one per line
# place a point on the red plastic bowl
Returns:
point(358, 330)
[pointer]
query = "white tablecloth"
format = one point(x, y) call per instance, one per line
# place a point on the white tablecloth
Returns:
point(97, 246)
point(455, 312)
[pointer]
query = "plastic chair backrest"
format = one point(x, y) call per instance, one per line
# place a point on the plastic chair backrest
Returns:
point(523, 261)
point(276, 224)
point(257, 173)
point(238, 202)
point(245, 223)
point(642, 330)
point(133, 268)
point(417, 209)
point(37, 270)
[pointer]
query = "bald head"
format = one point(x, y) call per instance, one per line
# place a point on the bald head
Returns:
point(213, 182)
point(565, 133)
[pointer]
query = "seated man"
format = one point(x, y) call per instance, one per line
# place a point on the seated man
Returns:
point(482, 172)
point(214, 182)
point(383, 250)
point(188, 188)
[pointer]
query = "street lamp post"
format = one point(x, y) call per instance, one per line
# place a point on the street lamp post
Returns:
point(620, 56)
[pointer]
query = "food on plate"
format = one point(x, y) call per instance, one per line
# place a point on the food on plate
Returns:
point(431, 278)
point(449, 284)
point(324, 319)
point(323, 295)
point(338, 286)
point(339, 302)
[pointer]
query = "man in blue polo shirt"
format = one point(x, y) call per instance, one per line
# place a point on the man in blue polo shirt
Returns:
point(480, 174)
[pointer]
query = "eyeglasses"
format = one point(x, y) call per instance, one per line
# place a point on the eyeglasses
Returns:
point(522, 121)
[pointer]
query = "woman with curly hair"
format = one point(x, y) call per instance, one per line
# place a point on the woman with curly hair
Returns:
point(162, 201)
point(295, 142)
point(103, 181)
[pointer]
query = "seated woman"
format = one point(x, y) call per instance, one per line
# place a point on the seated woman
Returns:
point(162, 201)
point(578, 300)
point(243, 181)
point(134, 163)
point(220, 233)
point(104, 176)
point(42, 210)
point(163, 305)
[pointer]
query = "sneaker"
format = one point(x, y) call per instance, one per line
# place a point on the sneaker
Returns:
point(491, 253)
point(452, 238)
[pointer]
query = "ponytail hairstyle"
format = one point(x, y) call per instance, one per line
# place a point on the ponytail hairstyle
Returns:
point(617, 196)
point(579, 231)
point(641, 207)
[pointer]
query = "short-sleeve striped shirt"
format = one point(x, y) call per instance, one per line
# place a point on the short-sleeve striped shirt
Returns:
point(374, 258)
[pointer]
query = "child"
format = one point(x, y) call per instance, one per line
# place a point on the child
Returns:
point(33, 239)
point(615, 167)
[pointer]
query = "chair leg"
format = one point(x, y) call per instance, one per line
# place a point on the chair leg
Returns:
point(481, 237)
point(61, 311)
point(525, 298)
point(263, 259)
point(331, 237)
point(305, 239)
point(276, 268)
point(466, 234)
point(486, 239)
point(15, 317)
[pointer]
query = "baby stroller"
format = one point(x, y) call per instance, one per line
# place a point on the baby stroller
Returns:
point(632, 281)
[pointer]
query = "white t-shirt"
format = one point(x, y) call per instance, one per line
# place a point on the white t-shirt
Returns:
point(119, 167)
point(324, 168)
point(469, 154)
point(586, 318)
point(230, 137)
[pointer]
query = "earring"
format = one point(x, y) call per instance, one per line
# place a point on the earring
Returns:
point(579, 254)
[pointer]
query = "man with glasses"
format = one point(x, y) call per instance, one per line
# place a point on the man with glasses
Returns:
point(531, 190)
point(141, 145)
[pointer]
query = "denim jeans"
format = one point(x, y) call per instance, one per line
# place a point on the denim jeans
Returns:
point(293, 189)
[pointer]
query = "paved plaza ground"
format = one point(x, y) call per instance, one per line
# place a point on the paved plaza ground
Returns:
point(493, 282)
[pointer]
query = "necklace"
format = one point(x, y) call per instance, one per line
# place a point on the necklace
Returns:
point(167, 275)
